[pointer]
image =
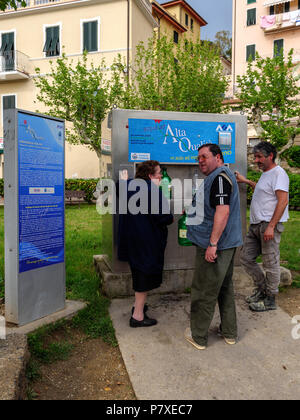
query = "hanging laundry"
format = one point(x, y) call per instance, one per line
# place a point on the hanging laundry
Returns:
point(267, 21)
point(294, 16)
point(278, 20)
point(286, 20)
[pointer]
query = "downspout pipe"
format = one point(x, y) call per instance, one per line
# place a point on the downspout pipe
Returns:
point(128, 39)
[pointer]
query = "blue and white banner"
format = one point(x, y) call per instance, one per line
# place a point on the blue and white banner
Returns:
point(170, 141)
point(41, 191)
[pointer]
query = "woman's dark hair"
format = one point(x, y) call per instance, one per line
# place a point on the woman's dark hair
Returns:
point(146, 168)
point(214, 149)
point(266, 149)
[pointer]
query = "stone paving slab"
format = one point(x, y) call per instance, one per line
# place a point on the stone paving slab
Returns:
point(162, 365)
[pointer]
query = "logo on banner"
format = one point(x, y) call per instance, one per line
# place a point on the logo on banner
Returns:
point(224, 127)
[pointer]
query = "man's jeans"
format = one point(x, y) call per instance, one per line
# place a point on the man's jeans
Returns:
point(212, 284)
point(254, 246)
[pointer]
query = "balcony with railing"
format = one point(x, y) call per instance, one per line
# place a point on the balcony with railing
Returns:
point(14, 65)
point(36, 3)
point(280, 22)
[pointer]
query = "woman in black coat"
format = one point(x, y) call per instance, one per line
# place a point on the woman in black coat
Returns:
point(142, 236)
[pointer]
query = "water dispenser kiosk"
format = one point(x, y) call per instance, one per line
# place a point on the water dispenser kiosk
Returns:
point(173, 139)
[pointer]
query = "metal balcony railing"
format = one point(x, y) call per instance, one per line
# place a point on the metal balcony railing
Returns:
point(281, 22)
point(18, 5)
point(32, 3)
point(14, 61)
point(38, 2)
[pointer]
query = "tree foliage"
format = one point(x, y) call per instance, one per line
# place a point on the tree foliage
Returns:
point(82, 94)
point(188, 77)
point(13, 3)
point(223, 41)
point(185, 77)
point(268, 92)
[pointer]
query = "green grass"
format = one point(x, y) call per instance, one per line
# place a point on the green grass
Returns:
point(290, 246)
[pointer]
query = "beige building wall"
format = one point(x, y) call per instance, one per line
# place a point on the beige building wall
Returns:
point(29, 27)
point(177, 11)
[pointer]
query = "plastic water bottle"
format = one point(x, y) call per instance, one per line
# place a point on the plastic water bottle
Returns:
point(182, 231)
point(165, 184)
point(195, 183)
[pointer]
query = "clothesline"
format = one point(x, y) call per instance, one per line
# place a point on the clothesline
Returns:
point(281, 20)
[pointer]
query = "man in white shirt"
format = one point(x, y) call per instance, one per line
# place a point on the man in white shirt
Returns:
point(268, 212)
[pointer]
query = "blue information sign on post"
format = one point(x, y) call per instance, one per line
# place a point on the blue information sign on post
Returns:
point(171, 141)
point(41, 191)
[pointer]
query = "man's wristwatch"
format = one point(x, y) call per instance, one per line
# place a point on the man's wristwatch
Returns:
point(212, 245)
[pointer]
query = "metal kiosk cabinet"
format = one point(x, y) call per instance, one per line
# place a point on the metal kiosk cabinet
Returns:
point(173, 139)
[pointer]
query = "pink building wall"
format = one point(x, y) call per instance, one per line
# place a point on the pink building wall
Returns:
point(263, 38)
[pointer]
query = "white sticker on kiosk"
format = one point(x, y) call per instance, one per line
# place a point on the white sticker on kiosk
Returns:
point(225, 140)
point(140, 156)
point(41, 190)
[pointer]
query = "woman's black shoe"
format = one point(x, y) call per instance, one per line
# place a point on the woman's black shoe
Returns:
point(146, 322)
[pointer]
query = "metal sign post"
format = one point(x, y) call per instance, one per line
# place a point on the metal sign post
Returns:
point(34, 215)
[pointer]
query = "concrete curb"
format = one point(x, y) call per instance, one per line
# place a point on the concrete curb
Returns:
point(14, 356)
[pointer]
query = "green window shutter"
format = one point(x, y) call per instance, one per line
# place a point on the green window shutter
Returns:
point(9, 102)
point(176, 36)
point(7, 42)
point(251, 17)
point(250, 52)
point(52, 46)
point(278, 47)
point(251, 1)
point(90, 36)
point(55, 43)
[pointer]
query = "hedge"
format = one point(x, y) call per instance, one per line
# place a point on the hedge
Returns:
point(294, 193)
point(89, 187)
point(86, 185)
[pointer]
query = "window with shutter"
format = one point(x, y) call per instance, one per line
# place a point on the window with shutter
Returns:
point(250, 52)
point(7, 51)
point(176, 37)
point(251, 1)
point(90, 36)
point(278, 47)
point(52, 44)
point(287, 7)
point(9, 102)
point(251, 17)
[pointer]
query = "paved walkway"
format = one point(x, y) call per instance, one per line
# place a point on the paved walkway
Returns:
point(264, 364)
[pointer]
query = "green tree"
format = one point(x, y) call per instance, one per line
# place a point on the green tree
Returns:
point(13, 3)
point(268, 92)
point(223, 41)
point(83, 95)
point(185, 77)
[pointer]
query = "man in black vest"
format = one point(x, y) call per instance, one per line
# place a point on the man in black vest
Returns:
point(216, 238)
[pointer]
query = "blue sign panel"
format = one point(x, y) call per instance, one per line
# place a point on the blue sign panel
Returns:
point(41, 191)
point(178, 141)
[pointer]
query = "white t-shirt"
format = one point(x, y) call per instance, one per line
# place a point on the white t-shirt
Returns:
point(264, 200)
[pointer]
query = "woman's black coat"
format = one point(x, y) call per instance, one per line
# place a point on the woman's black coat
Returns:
point(142, 238)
